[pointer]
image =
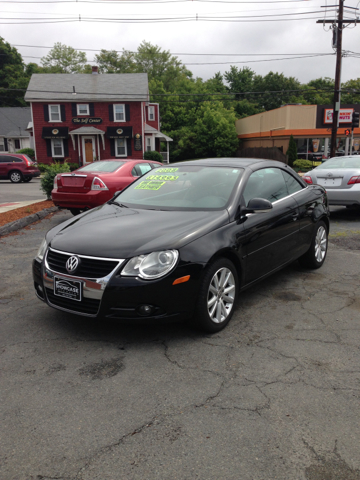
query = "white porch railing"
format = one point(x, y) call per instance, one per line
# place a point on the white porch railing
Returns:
point(165, 156)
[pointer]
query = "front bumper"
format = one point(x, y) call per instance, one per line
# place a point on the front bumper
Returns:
point(117, 297)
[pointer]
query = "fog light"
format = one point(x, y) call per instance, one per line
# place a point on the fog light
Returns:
point(145, 310)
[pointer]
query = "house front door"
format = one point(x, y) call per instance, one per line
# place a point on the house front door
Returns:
point(88, 149)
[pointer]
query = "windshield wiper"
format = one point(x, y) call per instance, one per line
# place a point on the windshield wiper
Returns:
point(114, 202)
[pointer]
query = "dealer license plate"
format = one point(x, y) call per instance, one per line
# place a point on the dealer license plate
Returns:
point(64, 287)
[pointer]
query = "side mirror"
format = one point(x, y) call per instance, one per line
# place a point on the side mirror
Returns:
point(257, 205)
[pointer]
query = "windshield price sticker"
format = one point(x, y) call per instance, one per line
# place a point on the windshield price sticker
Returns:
point(150, 185)
point(167, 170)
point(163, 178)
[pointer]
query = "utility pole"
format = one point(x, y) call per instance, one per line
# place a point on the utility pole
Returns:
point(337, 91)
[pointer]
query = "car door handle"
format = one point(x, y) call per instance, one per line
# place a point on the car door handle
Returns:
point(295, 216)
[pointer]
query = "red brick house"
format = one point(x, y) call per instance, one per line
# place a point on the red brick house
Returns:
point(83, 118)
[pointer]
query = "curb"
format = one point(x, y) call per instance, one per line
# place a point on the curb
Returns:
point(24, 222)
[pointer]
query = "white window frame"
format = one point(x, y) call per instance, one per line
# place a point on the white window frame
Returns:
point(53, 140)
point(116, 147)
point(50, 115)
point(123, 112)
point(78, 105)
point(151, 113)
point(149, 144)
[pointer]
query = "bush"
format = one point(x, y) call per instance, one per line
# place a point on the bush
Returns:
point(30, 152)
point(153, 155)
point(73, 166)
point(303, 165)
point(47, 181)
point(42, 167)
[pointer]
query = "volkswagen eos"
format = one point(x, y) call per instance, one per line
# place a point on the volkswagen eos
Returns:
point(182, 241)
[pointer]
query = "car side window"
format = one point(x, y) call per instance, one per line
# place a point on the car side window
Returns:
point(4, 159)
point(292, 184)
point(11, 160)
point(267, 183)
point(143, 168)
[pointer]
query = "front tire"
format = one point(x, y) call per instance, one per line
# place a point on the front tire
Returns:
point(315, 256)
point(217, 297)
point(15, 177)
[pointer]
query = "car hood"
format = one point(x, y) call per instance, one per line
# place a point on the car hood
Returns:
point(115, 232)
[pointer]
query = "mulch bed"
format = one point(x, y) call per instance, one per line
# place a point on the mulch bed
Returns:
point(22, 212)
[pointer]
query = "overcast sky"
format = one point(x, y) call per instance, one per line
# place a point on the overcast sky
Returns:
point(296, 33)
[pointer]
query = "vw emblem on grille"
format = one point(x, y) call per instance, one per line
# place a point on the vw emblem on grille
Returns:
point(72, 264)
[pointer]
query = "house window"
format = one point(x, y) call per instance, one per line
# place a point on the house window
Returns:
point(17, 144)
point(57, 147)
point(120, 147)
point(151, 113)
point(54, 113)
point(148, 144)
point(119, 113)
point(83, 109)
point(2, 145)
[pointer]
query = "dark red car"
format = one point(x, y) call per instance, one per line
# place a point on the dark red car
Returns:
point(17, 167)
point(94, 184)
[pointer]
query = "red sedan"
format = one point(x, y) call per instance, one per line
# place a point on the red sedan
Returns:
point(94, 184)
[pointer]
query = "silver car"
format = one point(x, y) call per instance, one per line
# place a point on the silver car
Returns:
point(340, 176)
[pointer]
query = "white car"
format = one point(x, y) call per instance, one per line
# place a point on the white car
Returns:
point(340, 176)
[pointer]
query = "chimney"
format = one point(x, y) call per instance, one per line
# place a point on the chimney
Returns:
point(95, 70)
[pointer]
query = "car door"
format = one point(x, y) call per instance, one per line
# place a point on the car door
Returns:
point(3, 166)
point(269, 238)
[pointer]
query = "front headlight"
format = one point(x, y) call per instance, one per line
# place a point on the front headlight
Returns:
point(153, 265)
point(41, 252)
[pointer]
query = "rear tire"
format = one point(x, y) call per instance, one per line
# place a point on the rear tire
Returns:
point(217, 296)
point(75, 211)
point(315, 256)
point(15, 176)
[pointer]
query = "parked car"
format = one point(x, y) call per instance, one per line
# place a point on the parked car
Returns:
point(17, 167)
point(183, 241)
point(340, 176)
point(94, 184)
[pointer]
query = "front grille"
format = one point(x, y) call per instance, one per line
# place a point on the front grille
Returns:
point(88, 267)
point(88, 306)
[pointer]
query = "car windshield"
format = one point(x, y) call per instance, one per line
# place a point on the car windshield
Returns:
point(105, 166)
point(184, 187)
point(340, 162)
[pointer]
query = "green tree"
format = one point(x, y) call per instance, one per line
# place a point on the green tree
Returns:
point(292, 151)
point(64, 59)
point(13, 78)
point(351, 91)
point(110, 61)
point(275, 90)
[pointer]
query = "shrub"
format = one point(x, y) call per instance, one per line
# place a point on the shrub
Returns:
point(30, 152)
point(73, 166)
point(303, 165)
point(42, 167)
point(47, 181)
point(153, 155)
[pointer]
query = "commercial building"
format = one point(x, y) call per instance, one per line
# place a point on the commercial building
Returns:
point(310, 126)
point(87, 117)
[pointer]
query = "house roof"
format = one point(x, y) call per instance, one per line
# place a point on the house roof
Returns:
point(14, 121)
point(87, 87)
point(156, 133)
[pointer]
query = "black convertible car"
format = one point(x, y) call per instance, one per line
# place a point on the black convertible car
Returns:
point(182, 241)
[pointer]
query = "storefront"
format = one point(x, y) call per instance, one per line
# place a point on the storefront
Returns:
point(310, 126)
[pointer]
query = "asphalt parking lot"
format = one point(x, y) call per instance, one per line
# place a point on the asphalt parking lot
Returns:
point(273, 396)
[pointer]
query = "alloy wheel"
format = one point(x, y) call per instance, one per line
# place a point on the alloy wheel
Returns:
point(320, 244)
point(221, 295)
